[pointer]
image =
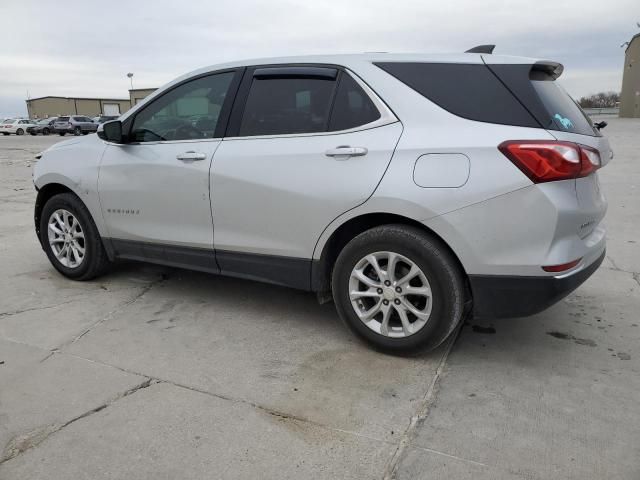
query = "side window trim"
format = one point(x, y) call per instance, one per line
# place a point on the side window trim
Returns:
point(225, 111)
point(233, 128)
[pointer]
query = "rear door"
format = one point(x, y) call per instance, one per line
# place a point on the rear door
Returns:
point(305, 145)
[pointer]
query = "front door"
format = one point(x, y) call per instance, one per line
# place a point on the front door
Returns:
point(154, 190)
point(310, 144)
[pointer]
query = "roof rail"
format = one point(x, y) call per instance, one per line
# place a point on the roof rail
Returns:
point(481, 49)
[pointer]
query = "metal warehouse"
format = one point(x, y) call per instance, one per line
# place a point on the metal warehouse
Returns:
point(45, 107)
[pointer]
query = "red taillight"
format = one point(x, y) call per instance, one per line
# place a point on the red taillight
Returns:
point(562, 267)
point(544, 161)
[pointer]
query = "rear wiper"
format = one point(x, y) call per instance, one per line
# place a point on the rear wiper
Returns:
point(600, 125)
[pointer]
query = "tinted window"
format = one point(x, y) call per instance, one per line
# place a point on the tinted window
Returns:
point(287, 105)
point(352, 107)
point(544, 98)
point(10, 120)
point(564, 113)
point(187, 112)
point(468, 90)
point(62, 119)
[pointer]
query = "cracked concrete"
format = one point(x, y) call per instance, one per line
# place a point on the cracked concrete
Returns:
point(156, 373)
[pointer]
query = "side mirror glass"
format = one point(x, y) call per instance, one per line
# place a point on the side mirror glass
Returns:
point(111, 131)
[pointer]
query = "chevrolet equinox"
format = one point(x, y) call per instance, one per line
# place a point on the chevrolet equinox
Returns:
point(412, 189)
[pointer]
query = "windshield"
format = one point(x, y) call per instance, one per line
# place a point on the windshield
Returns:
point(10, 120)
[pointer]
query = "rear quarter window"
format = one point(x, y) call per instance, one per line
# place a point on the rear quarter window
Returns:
point(470, 91)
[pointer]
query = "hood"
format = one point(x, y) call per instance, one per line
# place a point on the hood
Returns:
point(84, 139)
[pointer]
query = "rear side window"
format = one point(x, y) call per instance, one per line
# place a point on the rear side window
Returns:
point(62, 119)
point(352, 107)
point(278, 106)
point(467, 90)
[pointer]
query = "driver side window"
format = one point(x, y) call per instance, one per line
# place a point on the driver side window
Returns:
point(187, 112)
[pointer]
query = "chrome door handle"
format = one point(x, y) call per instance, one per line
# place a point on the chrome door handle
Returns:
point(191, 156)
point(346, 151)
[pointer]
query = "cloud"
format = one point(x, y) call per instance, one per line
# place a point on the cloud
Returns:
point(86, 48)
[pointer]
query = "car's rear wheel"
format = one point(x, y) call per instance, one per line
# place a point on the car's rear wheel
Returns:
point(20, 132)
point(62, 134)
point(77, 131)
point(398, 289)
point(70, 238)
point(33, 133)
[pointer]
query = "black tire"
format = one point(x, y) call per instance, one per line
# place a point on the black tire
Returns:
point(62, 134)
point(95, 261)
point(437, 263)
point(19, 131)
point(77, 131)
point(45, 131)
point(5, 134)
point(33, 133)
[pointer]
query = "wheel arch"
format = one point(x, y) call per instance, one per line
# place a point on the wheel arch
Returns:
point(51, 189)
point(44, 194)
point(321, 268)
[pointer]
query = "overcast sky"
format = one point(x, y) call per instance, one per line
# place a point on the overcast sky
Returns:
point(86, 48)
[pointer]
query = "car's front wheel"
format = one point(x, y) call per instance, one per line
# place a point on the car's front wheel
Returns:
point(70, 238)
point(45, 131)
point(77, 131)
point(62, 134)
point(20, 132)
point(398, 289)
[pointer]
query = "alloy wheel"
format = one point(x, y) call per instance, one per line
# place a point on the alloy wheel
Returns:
point(390, 294)
point(66, 238)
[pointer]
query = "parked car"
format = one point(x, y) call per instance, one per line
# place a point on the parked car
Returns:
point(16, 125)
point(104, 118)
point(76, 124)
point(411, 189)
point(44, 126)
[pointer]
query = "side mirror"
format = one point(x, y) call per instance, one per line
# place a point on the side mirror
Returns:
point(111, 131)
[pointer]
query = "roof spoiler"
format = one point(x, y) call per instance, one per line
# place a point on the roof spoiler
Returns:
point(481, 49)
point(553, 69)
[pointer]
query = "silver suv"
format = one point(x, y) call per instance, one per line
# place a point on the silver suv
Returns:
point(76, 124)
point(411, 189)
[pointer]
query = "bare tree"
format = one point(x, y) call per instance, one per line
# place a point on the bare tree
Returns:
point(600, 100)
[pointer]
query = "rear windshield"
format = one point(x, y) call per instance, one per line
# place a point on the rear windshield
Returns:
point(508, 94)
point(62, 119)
point(544, 98)
point(11, 120)
point(564, 113)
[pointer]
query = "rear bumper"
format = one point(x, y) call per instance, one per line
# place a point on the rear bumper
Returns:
point(497, 296)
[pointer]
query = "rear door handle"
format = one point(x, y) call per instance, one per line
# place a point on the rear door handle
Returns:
point(346, 151)
point(191, 156)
